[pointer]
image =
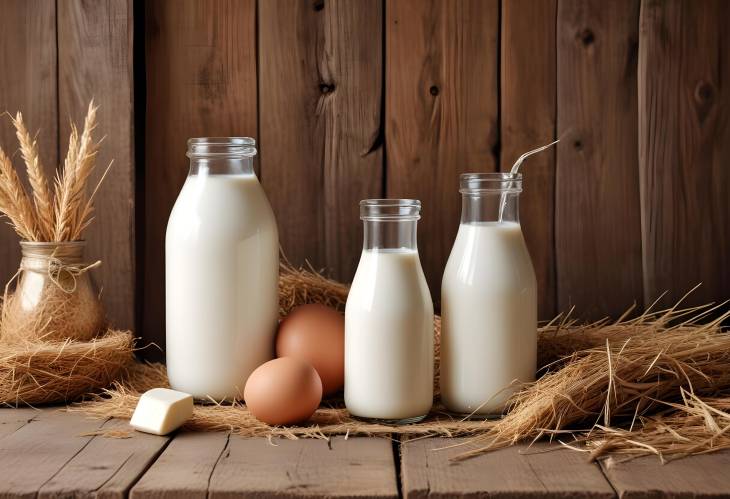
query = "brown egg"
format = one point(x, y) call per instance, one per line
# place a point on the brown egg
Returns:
point(316, 334)
point(283, 391)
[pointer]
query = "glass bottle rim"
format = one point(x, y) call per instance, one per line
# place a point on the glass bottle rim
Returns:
point(390, 209)
point(490, 183)
point(221, 147)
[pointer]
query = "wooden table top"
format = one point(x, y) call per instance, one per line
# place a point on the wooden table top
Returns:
point(51, 453)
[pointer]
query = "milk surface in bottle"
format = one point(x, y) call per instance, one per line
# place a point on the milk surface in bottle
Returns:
point(221, 271)
point(488, 300)
point(389, 319)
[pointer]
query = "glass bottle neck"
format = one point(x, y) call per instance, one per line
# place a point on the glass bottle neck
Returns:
point(221, 166)
point(490, 207)
point(389, 234)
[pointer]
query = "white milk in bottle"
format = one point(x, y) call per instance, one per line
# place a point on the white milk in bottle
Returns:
point(488, 300)
point(221, 271)
point(389, 319)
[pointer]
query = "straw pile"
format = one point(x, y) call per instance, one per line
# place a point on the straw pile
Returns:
point(41, 372)
point(695, 426)
point(298, 286)
point(644, 366)
point(655, 384)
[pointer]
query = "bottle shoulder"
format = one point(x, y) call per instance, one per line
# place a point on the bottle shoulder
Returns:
point(221, 205)
point(492, 252)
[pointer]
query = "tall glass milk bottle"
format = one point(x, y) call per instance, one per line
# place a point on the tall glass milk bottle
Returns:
point(221, 272)
point(488, 300)
point(389, 319)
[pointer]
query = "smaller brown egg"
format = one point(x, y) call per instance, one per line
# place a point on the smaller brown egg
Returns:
point(283, 391)
point(316, 334)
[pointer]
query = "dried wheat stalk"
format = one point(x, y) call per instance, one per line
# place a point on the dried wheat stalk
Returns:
point(14, 201)
point(42, 198)
point(72, 207)
point(61, 215)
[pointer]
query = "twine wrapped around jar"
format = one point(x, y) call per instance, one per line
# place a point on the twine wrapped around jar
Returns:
point(55, 298)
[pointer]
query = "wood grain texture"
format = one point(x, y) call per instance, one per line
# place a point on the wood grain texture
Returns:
point(684, 149)
point(105, 468)
point(95, 61)
point(441, 111)
point(35, 453)
point(11, 420)
point(692, 477)
point(184, 469)
point(255, 467)
point(527, 99)
point(201, 81)
point(597, 212)
point(27, 84)
point(320, 109)
point(518, 471)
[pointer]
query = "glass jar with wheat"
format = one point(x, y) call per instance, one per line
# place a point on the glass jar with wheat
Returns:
point(54, 298)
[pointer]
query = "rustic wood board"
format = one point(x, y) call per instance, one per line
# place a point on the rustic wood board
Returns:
point(354, 467)
point(11, 420)
point(684, 148)
point(441, 109)
point(527, 100)
point(518, 471)
point(597, 212)
point(27, 84)
point(31, 456)
point(106, 467)
point(184, 469)
point(95, 61)
point(201, 81)
point(320, 92)
point(696, 476)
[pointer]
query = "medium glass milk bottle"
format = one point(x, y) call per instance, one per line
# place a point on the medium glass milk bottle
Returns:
point(389, 319)
point(488, 300)
point(221, 272)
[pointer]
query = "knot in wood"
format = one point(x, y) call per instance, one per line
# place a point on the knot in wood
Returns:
point(434, 90)
point(326, 88)
point(704, 92)
point(587, 37)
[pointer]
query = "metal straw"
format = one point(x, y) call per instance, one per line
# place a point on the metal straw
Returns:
point(515, 167)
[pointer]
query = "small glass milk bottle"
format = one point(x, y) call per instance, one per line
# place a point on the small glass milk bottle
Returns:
point(221, 272)
point(488, 300)
point(389, 319)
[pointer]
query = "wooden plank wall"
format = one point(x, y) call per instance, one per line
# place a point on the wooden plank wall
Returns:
point(684, 147)
point(366, 98)
point(597, 215)
point(28, 31)
point(441, 118)
point(94, 35)
point(56, 57)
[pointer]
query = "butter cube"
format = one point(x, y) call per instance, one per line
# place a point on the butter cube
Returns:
point(161, 410)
